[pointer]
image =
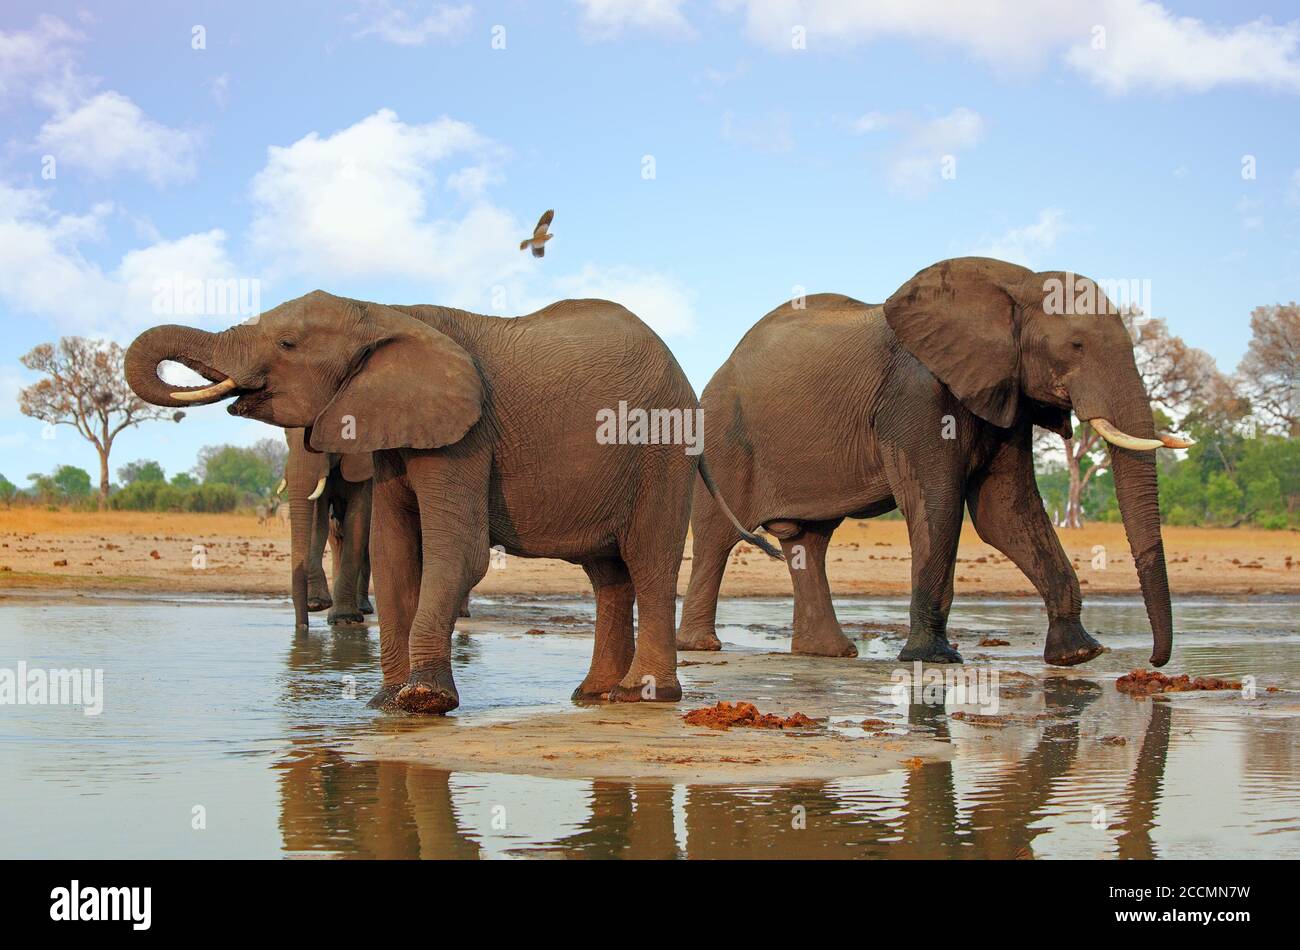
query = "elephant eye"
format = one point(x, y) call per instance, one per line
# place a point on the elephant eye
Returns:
point(1077, 346)
point(286, 344)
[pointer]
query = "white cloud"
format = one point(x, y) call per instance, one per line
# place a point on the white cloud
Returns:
point(404, 27)
point(916, 159)
point(1145, 46)
point(45, 272)
point(611, 19)
point(1024, 245)
point(661, 301)
point(40, 62)
point(360, 202)
point(109, 133)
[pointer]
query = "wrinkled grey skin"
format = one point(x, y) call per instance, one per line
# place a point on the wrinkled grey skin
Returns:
point(339, 516)
point(483, 431)
point(832, 408)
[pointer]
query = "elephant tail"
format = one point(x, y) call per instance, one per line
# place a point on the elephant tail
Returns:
point(749, 536)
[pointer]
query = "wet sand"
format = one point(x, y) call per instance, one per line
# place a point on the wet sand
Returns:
point(155, 553)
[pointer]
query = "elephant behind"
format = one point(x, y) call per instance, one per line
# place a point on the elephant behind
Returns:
point(329, 499)
point(832, 408)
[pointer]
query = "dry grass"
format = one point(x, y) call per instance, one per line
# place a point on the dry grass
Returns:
point(110, 523)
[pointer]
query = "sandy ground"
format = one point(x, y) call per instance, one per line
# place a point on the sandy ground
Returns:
point(157, 552)
point(651, 741)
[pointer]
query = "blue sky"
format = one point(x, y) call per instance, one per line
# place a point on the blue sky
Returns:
point(702, 167)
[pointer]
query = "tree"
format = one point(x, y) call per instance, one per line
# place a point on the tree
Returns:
point(1270, 370)
point(68, 483)
point(144, 470)
point(274, 452)
point(8, 491)
point(86, 389)
point(239, 467)
point(183, 480)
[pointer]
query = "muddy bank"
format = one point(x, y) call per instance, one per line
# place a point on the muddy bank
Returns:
point(653, 741)
point(150, 552)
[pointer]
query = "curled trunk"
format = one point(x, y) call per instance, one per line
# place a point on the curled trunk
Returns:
point(186, 345)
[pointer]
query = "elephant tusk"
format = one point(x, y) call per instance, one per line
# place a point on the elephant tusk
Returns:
point(1173, 442)
point(207, 392)
point(1125, 441)
point(280, 487)
point(320, 490)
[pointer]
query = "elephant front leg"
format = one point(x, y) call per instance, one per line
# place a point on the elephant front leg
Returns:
point(1008, 513)
point(398, 553)
point(349, 548)
point(318, 588)
point(933, 515)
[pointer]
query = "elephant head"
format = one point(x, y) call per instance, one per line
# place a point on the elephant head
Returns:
point(1007, 341)
point(359, 377)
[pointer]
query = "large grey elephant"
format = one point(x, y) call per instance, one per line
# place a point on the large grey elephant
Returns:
point(329, 500)
point(832, 408)
point(484, 432)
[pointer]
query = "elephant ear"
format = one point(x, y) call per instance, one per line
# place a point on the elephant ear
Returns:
point(411, 387)
point(960, 319)
point(357, 467)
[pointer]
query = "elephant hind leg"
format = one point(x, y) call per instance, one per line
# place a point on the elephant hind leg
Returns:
point(614, 646)
point(816, 629)
point(712, 538)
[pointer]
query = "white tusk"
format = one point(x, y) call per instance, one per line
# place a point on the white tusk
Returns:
point(280, 487)
point(320, 490)
point(1123, 439)
point(208, 392)
point(1173, 442)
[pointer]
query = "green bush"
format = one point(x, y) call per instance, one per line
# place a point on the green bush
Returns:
point(161, 496)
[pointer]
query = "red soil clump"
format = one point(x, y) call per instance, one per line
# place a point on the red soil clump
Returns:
point(725, 715)
point(1147, 682)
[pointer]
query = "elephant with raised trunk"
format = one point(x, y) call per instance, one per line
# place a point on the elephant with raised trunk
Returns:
point(484, 433)
point(832, 408)
point(329, 500)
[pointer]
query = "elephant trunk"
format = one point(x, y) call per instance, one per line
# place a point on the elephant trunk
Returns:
point(188, 345)
point(1121, 413)
point(301, 512)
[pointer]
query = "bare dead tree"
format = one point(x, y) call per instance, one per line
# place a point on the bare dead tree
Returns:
point(85, 388)
point(1270, 370)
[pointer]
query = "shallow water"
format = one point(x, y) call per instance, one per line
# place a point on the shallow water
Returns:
point(216, 709)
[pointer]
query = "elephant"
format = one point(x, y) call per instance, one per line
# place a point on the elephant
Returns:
point(831, 408)
point(329, 498)
point(486, 431)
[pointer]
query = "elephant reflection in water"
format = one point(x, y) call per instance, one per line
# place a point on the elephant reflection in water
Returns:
point(392, 810)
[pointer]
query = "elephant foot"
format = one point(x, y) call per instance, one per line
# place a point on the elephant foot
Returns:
point(364, 605)
point(823, 640)
point(386, 698)
point(430, 690)
point(586, 693)
point(636, 688)
point(317, 603)
point(340, 617)
point(929, 649)
point(697, 639)
point(464, 609)
point(1068, 644)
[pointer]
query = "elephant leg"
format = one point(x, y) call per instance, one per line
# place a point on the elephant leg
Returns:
point(652, 550)
point(464, 607)
point(712, 538)
point(932, 505)
point(398, 551)
point(1008, 513)
point(611, 654)
point(354, 530)
point(452, 496)
point(318, 588)
point(816, 630)
point(364, 603)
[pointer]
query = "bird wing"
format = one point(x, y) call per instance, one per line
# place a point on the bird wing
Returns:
point(544, 222)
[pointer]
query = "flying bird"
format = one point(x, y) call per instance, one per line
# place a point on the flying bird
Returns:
point(538, 241)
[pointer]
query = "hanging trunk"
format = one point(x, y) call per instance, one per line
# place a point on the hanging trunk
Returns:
point(1135, 487)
